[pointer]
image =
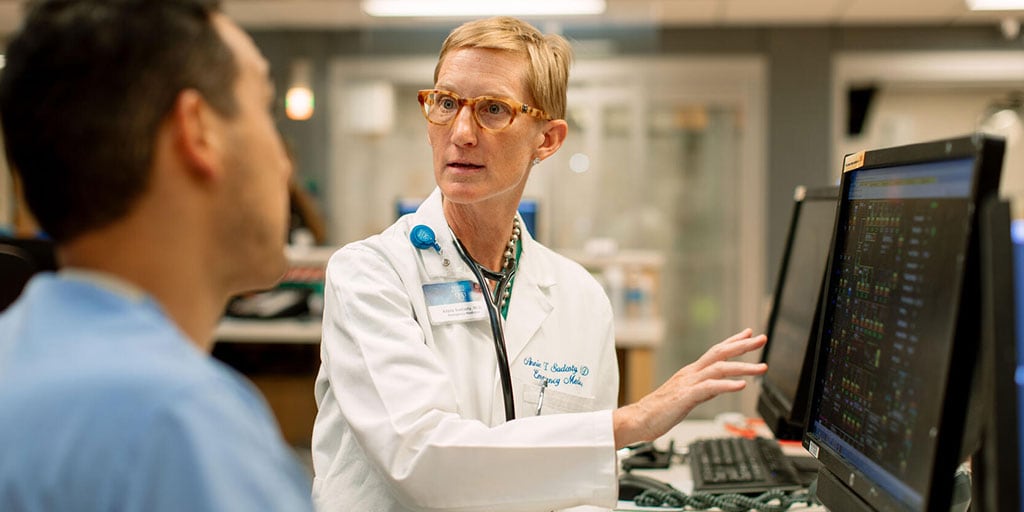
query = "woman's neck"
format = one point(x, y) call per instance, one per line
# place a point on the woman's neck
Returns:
point(483, 231)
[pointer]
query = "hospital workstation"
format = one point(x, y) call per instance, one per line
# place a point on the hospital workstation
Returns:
point(845, 176)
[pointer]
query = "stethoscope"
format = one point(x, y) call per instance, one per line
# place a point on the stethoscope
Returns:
point(422, 237)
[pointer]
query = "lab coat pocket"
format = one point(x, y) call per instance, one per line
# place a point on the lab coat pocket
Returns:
point(552, 400)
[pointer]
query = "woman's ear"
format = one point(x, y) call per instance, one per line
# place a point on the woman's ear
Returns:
point(197, 130)
point(554, 134)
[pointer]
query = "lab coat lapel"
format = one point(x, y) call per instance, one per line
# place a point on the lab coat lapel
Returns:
point(431, 214)
point(531, 299)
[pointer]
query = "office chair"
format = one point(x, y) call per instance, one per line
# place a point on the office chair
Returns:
point(20, 258)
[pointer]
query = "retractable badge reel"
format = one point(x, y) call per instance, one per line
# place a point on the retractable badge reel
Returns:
point(422, 237)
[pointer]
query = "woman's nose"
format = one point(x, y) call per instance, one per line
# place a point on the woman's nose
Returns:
point(464, 127)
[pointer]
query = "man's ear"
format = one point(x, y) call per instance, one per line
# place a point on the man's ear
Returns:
point(554, 135)
point(197, 133)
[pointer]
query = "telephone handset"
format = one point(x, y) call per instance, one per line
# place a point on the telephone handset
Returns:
point(632, 485)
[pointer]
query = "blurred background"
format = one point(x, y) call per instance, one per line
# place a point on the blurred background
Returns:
point(691, 123)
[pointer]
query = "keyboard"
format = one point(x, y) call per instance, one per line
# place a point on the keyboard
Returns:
point(737, 465)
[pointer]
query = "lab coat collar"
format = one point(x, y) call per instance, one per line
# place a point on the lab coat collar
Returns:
point(531, 294)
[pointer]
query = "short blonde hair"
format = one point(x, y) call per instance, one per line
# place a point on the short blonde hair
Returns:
point(549, 56)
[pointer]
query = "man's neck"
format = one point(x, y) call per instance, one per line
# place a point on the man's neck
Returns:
point(172, 277)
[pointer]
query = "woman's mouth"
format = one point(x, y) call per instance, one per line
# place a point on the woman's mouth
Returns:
point(464, 166)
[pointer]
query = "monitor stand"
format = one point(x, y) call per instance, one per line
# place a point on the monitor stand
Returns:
point(836, 496)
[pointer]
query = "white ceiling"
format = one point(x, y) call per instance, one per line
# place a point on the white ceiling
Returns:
point(717, 13)
point(707, 13)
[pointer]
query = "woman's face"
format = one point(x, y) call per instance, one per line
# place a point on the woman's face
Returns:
point(472, 164)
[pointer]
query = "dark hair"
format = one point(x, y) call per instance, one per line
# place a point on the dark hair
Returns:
point(87, 84)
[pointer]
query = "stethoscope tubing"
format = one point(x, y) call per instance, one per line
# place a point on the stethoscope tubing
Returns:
point(497, 330)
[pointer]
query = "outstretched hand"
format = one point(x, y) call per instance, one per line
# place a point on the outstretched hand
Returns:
point(711, 375)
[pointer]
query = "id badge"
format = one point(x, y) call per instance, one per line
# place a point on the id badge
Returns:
point(457, 301)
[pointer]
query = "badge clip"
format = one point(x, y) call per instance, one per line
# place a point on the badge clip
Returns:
point(422, 237)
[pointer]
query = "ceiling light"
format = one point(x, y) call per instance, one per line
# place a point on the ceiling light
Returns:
point(472, 8)
point(299, 101)
point(995, 5)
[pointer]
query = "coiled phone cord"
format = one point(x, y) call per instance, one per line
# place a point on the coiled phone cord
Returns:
point(771, 501)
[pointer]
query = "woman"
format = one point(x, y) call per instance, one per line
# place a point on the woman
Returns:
point(416, 406)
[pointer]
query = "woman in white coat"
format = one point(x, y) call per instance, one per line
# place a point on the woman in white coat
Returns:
point(417, 410)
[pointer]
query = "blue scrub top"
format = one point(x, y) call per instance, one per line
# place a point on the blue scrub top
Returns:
point(106, 405)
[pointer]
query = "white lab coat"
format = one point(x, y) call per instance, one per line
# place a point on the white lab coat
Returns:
point(411, 414)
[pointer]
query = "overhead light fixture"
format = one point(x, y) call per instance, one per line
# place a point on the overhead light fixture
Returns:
point(472, 8)
point(995, 5)
point(298, 101)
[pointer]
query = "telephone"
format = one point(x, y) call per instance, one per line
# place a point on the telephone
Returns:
point(646, 456)
point(632, 485)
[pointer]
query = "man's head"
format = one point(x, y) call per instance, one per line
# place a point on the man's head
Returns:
point(99, 97)
point(85, 87)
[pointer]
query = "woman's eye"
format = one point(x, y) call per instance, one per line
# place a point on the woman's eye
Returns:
point(495, 108)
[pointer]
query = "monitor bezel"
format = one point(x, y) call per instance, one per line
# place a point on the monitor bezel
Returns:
point(787, 417)
point(998, 465)
point(987, 153)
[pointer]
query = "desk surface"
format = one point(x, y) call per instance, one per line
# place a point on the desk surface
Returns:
point(286, 330)
point(679, 474)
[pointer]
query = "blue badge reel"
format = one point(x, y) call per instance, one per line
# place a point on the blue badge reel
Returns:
point(422, 237)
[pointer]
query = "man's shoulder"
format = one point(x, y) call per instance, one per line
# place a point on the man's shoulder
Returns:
point(158, 424)
point(129, 363)
point(111, 377)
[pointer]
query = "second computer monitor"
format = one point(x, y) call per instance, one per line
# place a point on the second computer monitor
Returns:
point(792, 325)
point(999, 467)
point(899, 331)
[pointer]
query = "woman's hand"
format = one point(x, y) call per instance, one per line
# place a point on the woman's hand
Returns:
point(711, 375)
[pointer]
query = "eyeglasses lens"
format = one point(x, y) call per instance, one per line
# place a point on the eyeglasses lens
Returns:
point(492, 114)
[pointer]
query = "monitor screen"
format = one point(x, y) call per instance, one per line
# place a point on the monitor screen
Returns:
point(1017, 231)
point(527, 210)
point(785, 388)
point(893, 371)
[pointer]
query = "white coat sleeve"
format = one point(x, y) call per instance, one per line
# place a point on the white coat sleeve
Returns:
point(400, 404)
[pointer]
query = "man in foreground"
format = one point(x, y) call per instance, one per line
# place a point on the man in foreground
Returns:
point(142, 133)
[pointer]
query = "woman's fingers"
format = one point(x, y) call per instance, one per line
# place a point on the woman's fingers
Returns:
point(732, 369)
point(745, 333)
point(732, 347)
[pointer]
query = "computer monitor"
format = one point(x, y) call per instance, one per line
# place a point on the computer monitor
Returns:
point(792, 323)
point(527, 210)
point(900, 323)
point(998, 466)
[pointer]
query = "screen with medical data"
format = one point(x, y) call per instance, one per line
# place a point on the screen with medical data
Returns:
point(890, 323)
